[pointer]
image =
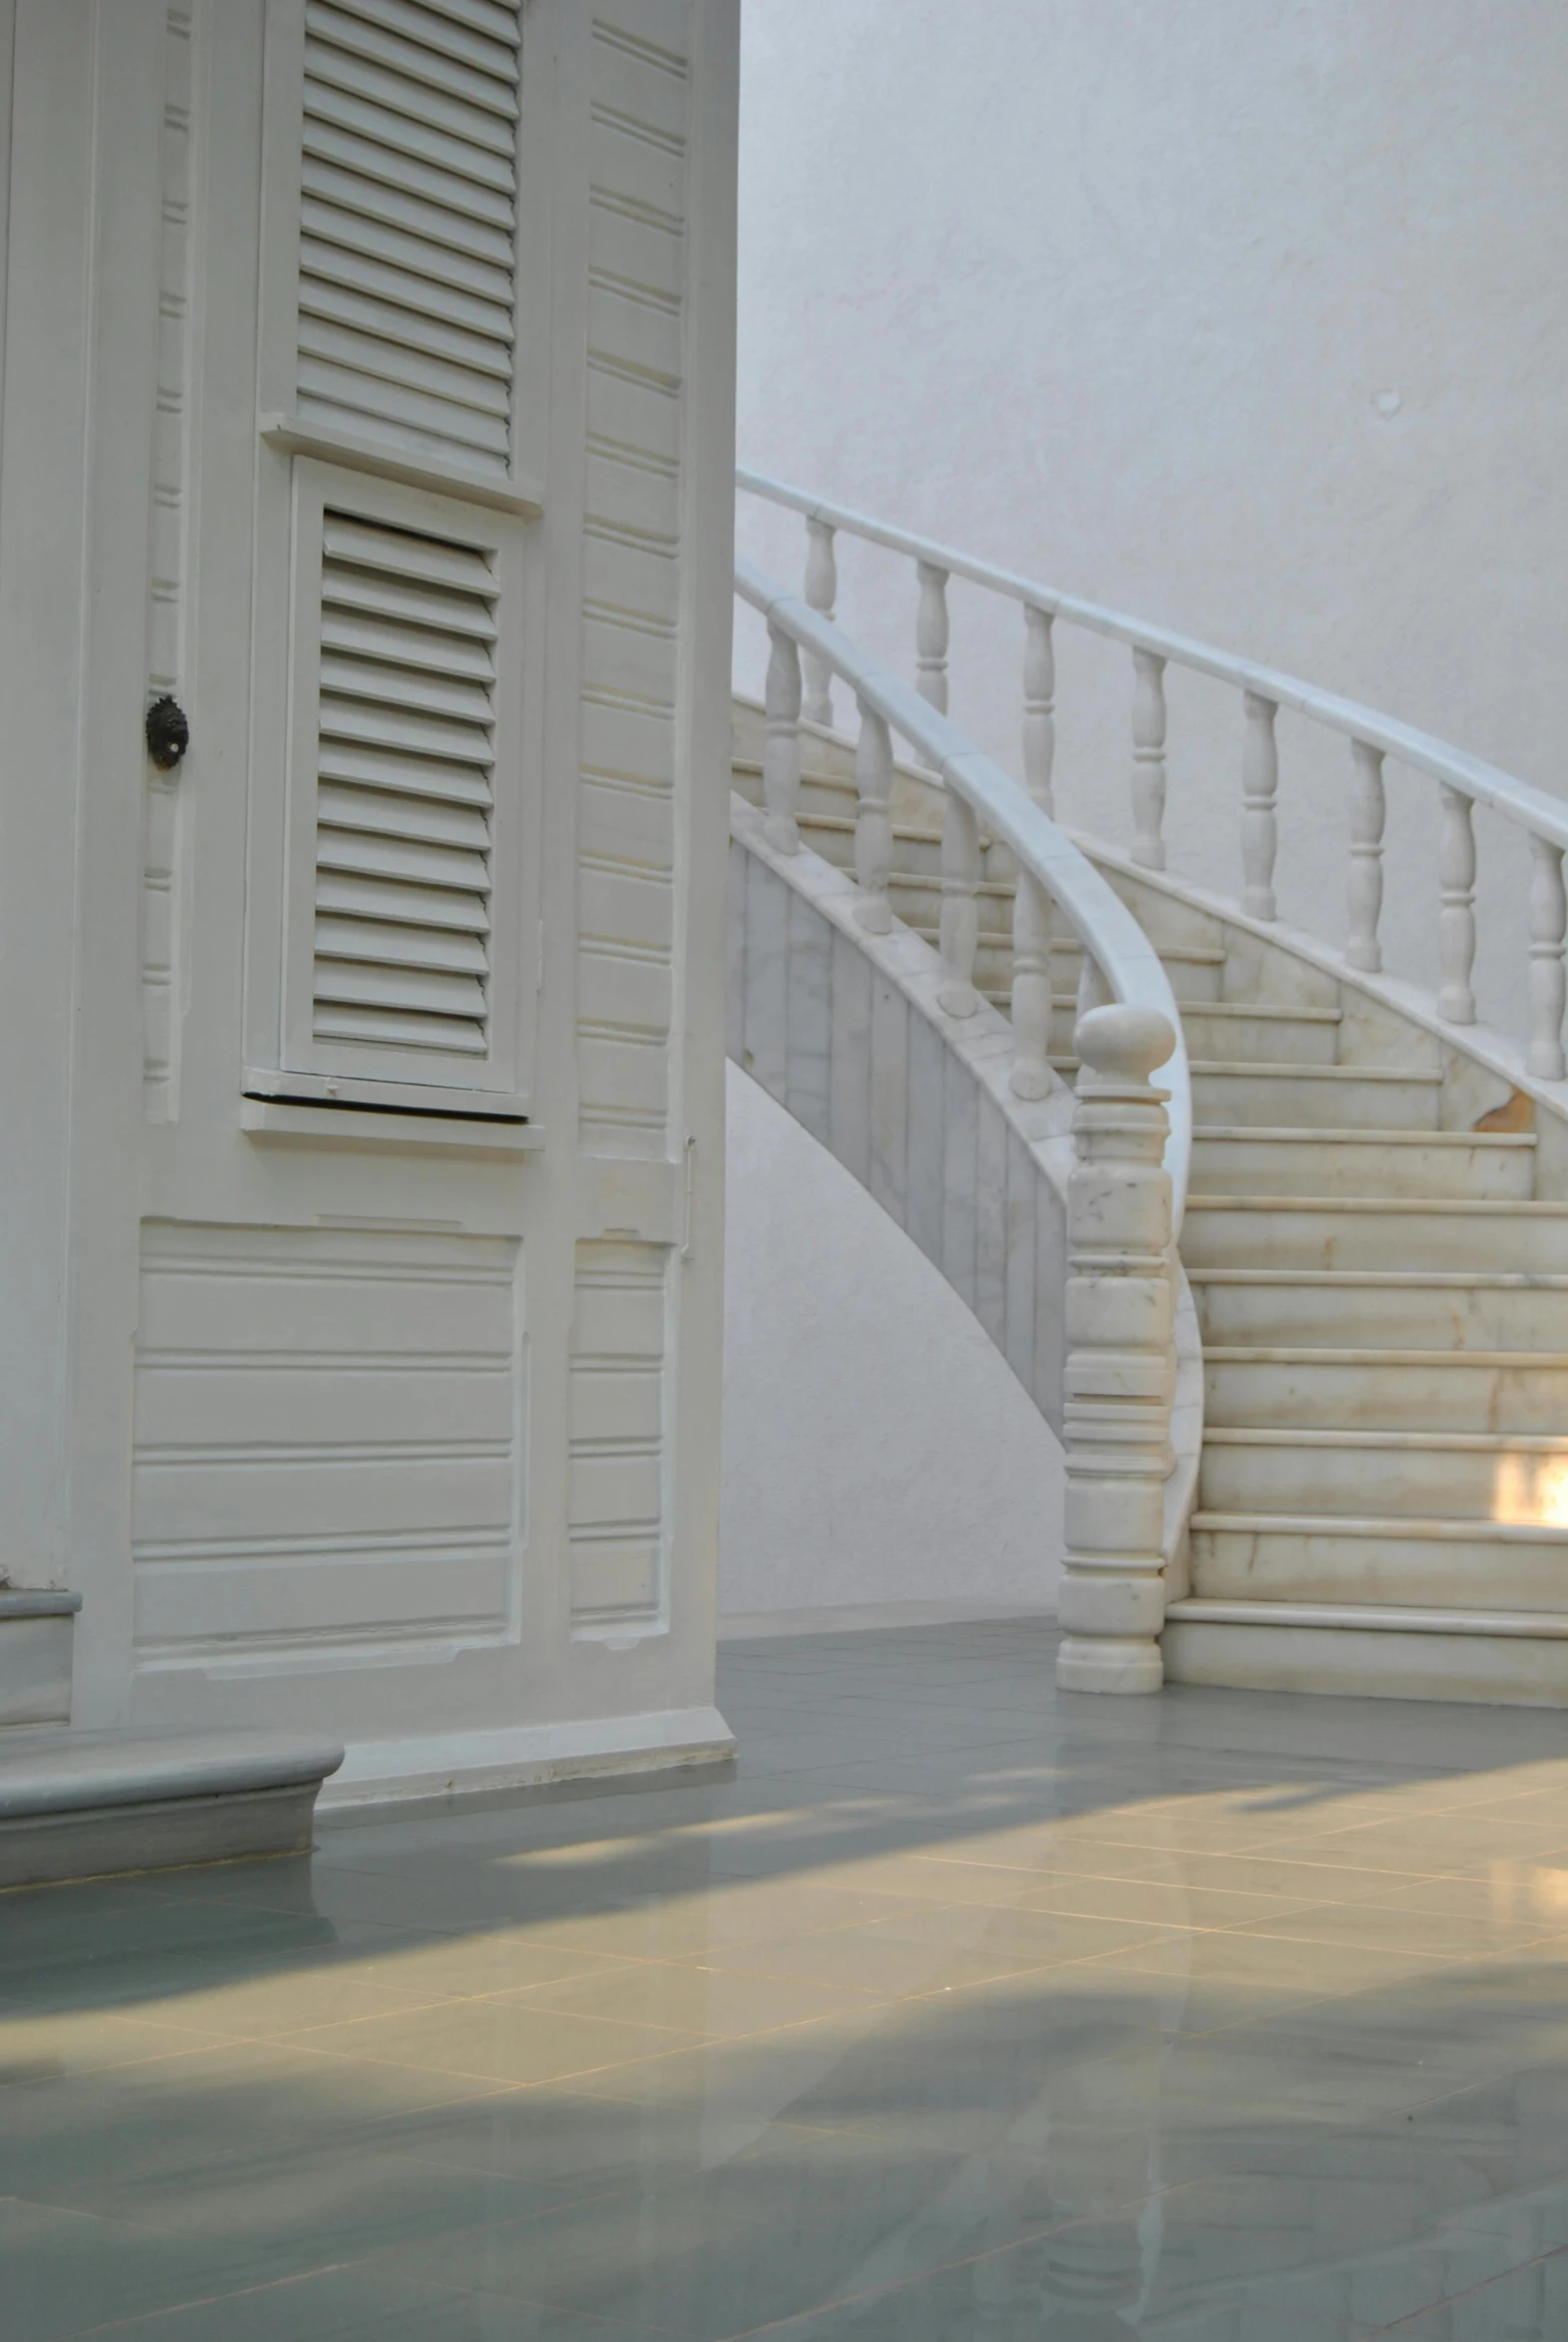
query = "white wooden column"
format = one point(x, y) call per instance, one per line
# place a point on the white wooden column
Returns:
point(1120, 1357)
point(822, 585)
point(1032, 996)
point(781, 743)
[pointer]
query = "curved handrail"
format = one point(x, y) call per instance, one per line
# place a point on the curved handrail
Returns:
point(1484, 784)
point(1109, 935)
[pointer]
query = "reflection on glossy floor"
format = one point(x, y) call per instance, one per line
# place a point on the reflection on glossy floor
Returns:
point(965, 2010)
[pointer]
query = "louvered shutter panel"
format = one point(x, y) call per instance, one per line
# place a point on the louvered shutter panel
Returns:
point(405, 796)
point(408, 229)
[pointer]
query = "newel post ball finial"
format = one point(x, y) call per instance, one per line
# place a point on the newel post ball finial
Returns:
point(1120, 1357)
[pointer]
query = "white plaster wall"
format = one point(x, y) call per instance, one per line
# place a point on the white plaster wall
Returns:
point(1247, 315)
point(877, 1449)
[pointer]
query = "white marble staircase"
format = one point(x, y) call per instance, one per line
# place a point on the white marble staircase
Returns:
point(1377, 1238)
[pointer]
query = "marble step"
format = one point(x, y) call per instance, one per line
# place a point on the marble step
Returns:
point(1487, 1477)
point(1258, 1032)
point(1266, 1388)
point(79, 1805)
point(1377, 1233)
point(1299, 1097)
point(1390, 1652)
point(1241, 1159)
point(1194, 972)
point(1388, 1309)
point(36, 1630)
point(1347, 1559)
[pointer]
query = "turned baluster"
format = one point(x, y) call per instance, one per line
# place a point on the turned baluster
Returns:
point(873, 824)
point(1148, 760)
point(1040, 702)
point(1259, 829)
point(960, 932)
point(1120, 1358)
point(822, 585)
point(1456, 919)
point(1548, 919)
point(931, 636)
point(1032, 996)
point(1366, 857)
point(781, 744)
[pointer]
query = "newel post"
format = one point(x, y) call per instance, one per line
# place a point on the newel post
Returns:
point(1120, 1357)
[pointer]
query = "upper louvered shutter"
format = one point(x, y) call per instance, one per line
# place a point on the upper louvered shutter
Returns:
point(408, 225)
point(404, 912)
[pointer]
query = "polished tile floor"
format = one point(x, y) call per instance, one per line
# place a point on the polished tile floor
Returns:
point(962, 2010)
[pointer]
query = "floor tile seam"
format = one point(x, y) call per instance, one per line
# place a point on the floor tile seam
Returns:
point(121, 2065)
point(1170, 1885)
point(686, 2047)
point(1252, 1931)
point(128, 2326)
point(894, 2285)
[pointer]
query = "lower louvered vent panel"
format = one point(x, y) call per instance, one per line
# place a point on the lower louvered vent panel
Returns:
point(405, 761)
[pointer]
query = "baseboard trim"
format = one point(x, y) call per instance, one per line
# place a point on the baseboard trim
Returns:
point(385, 1780)
point(749, 1626)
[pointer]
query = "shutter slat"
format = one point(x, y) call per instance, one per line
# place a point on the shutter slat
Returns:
point(396, 553)
point(457, 171)
point(365, 158)
point(359, 249)
point(406, 724)
point(382, 44)
point(394, 208)
point(447, 787)
point(345, 677)
point(461, 880)
point(417, 420)
point(369, 636)
point(408, 250)
point(405, 109)
point(376, 813)
point(440, 25)
point(397, 1029)
point(405, 329)
point(463, 617)
point(435, 990)
point(365, 349)
point(369, 939)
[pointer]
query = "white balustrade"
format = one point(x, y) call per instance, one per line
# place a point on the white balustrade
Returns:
point(1031, 924)
point(822, 585)
point(931, 636)
point(1119, 1373)
point(1148, 760)
point(1259, 784)
point(1463, 782)
point(1367, 809)
point(1456, 919)
point(781, 743)
point(873, 822)
point(1548, 919)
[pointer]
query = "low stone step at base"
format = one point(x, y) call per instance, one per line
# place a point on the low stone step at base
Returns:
point(1485, 1658)
point(80, 1805)
point(36, 1630)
